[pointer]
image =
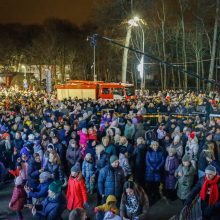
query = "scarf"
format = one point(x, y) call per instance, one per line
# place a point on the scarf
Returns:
point(213, 197)
point(132, 204)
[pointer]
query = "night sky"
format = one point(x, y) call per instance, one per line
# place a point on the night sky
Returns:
point(36, 11)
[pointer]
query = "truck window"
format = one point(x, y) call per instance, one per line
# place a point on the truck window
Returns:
point(106, 91)
point(118, 91)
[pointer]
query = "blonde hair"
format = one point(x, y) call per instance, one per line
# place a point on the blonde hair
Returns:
point(140, 140)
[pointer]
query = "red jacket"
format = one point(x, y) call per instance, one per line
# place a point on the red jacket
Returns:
point(18, 198)
point(76, 193)
point(93, 136)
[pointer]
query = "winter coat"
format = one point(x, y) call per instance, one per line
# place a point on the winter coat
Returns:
point(213, 209)
point(110, 150)
point(60, 149)
point(111, 181)
point(123, 161)
point(143, 205)
point(107, 207)
point(76, 193)
point(83, 138)
point(139, 163)
point(56, 170)
point(154, 164)
point(51, 209)
point(41, 191)
point(179, 149)
point(93, 136)
point(73, 155)
point(33, 173)
point(192, 148)
point(88, 171)
point(140, 132)
point(129, 131)
point(171, 165)
point(18, 143)
point(18, 198)
point(185, 182)
point(101, 160)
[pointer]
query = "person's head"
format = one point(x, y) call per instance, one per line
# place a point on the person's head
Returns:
point(18, 135)
point(123, 140)
point(54, 157)
point(44, 177)
point(171, 151)
point(73, 143)
point(210, 172)
point(50, 147)
point(75, 170)
point(54, 188)
point(176, 139)
point(186, 160)
point(88, 157)
point(105, 141)
point(99, 149)
point(114, 161)
point(111, 200)
point(37, 157)
point(78, 214)
point(55, 139)
point(129, 188)
point(154, 145)
point(140, 140)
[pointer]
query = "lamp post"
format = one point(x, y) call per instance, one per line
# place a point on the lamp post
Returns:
point(25, 84)
point(136, 22)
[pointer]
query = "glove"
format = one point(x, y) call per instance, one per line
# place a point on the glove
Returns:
point(86, 205)
point(96, 209)
point(208, 211)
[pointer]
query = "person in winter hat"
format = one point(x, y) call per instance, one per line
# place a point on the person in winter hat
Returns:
point(208, 188)
point(88, 172)
point(76, 191)
point(42, 189)
point(53, 205)
point(185, 176)
point(18, 198)
point(110, 205)
point(171, 164)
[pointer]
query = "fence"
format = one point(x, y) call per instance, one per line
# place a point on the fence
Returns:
point(193, 212)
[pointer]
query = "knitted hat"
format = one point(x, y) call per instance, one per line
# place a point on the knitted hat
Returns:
point(76, 168)
point(31, 137)
point(45, 176)
point(55, 186)
point(186, 158)
point(210, 170)
point(192, 135)
point(113, 158)
point(176, 138)
point(18, 181)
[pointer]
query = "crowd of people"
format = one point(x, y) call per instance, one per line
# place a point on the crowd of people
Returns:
point(63, 153)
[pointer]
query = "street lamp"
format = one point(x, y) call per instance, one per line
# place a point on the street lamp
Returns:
point(136, 22)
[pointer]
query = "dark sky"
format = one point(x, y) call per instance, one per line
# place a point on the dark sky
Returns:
point(36, 11)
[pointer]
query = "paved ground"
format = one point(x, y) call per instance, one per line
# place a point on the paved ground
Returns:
point(162, 210)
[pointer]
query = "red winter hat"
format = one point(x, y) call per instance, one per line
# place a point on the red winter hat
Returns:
point(192, 135)
point(5, 135)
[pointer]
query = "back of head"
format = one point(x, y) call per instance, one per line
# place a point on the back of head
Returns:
point(77, 214)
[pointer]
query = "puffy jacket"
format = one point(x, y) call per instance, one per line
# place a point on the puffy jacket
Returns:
point(73, 155)
point(109, 207)
point(51, 209)
point(154, 164)
point(101, 161)
point(129, 131)
point(88, 170)
point(33, 173)
point(41, 191)
point(185, 182)
point(56, 170)
point(18, 198)
point(76, 193)
point(111, 181)
point(18, 143)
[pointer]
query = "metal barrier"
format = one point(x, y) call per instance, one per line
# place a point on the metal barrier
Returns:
point(193, 212)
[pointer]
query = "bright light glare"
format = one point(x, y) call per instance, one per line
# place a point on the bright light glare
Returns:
point(140, 67)
point(136, 18)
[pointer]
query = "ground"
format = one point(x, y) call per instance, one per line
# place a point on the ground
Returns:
point(161, 210)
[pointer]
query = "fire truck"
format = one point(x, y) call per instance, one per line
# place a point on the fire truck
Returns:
point(83, 89)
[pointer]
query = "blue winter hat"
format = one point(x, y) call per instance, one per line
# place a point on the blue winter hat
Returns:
point(76, 168)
